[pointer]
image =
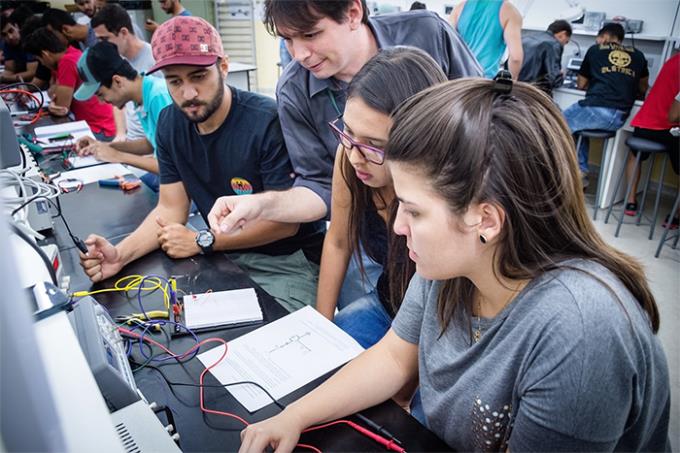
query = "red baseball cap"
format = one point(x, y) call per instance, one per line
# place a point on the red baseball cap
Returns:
point(186, 40)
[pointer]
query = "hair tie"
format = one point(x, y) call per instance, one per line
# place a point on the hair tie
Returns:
point(502, 83)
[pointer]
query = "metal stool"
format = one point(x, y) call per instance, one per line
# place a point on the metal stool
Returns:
point(668, 228)
point(605, 136)
point(641, 145)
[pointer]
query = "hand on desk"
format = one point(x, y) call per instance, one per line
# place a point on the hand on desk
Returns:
point(102, 260)
point(57, 110)
point(231, 213)
point(177, 240)
point(83, 146)
point(105, 153)
point(101, 151)
point(280, 432)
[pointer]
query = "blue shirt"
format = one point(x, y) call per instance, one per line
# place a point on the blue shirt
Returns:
point(480, 26)
point(155, 97)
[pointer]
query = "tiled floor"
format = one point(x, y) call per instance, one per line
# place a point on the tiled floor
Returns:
point(663, 274)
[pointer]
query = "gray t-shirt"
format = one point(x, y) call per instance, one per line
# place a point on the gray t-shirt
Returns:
point(562, 368)
point(307, 104)
point(142, 62)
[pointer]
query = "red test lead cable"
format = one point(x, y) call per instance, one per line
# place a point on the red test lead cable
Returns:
point(388, 444)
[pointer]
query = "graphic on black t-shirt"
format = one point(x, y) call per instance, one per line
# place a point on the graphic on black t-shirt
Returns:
point(614, 73)
point(241, 186)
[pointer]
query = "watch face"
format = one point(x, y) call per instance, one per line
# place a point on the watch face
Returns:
point(205, 238)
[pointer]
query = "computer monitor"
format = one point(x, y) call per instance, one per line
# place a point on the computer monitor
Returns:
point(9, 146)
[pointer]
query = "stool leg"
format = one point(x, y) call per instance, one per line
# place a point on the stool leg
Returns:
point(616, 189)
point(668, 227)
point(629, 187)
point(648, 177)
point(658, 196)
point(598, 190)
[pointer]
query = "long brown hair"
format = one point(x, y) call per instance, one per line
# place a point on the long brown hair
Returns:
point(514, 150)
point(385, 81)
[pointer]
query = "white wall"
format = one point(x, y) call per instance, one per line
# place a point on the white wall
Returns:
point(658, 15)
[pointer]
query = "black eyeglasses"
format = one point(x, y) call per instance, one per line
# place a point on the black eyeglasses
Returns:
point(370, 153)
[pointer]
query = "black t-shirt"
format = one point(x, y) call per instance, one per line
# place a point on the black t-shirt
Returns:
point(245, 155)
point(18, 56)
point(43, 73)
point(613, 72)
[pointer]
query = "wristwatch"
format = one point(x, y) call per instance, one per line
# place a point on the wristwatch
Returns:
point(205, 240)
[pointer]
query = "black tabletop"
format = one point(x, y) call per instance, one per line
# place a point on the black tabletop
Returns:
point(114, 214)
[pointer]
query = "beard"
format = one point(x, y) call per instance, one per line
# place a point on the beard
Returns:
point(210, 107)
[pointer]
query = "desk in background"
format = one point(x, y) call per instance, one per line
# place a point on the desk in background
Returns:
point(239, 75)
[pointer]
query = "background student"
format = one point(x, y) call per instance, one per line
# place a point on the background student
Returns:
point(652, 123)
point(19, 65)
point(489, 27)
point(113, 80)
point(613, 76)
point(542, 63)
point(113, 24)
point(527, 331)
point(63, 61)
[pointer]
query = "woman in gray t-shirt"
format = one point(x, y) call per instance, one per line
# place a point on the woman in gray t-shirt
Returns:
point(526, 330)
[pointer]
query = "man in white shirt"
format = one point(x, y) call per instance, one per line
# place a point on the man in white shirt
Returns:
point(113, 24)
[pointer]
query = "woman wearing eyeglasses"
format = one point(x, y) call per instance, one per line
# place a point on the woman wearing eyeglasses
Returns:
point(363, 195)
point(527, 331)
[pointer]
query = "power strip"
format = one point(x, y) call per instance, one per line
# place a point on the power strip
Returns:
point(39, 215)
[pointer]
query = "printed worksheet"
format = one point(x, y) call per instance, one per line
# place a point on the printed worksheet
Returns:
point(281, 356)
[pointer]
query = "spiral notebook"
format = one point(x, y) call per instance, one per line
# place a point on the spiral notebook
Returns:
point(221, 308)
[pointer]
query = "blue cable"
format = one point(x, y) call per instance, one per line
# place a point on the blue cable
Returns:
point(140, 289)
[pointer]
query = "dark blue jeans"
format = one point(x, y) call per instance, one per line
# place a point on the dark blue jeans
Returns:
point(152, 180)
point(587, 117)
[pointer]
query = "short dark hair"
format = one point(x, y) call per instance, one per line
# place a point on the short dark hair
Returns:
point(57, 18)
point(613, 29)
point(302, 15)
point(124, 70)
point(417, 5)
point(32, 24)
point(559, 26)
point(43, 39)
point(113, 17)
point(18, 17)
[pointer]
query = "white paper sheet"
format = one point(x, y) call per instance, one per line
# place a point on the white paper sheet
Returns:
point(94, 174)
point(84, 161)
point(77, 129)
point(281, 356)
point(221, 308)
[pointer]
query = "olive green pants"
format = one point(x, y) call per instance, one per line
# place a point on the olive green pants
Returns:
point(291, 279)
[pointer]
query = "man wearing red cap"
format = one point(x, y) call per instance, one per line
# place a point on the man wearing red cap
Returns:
point(213, 142)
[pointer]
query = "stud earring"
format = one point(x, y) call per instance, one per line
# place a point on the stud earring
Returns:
point(482, 239)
